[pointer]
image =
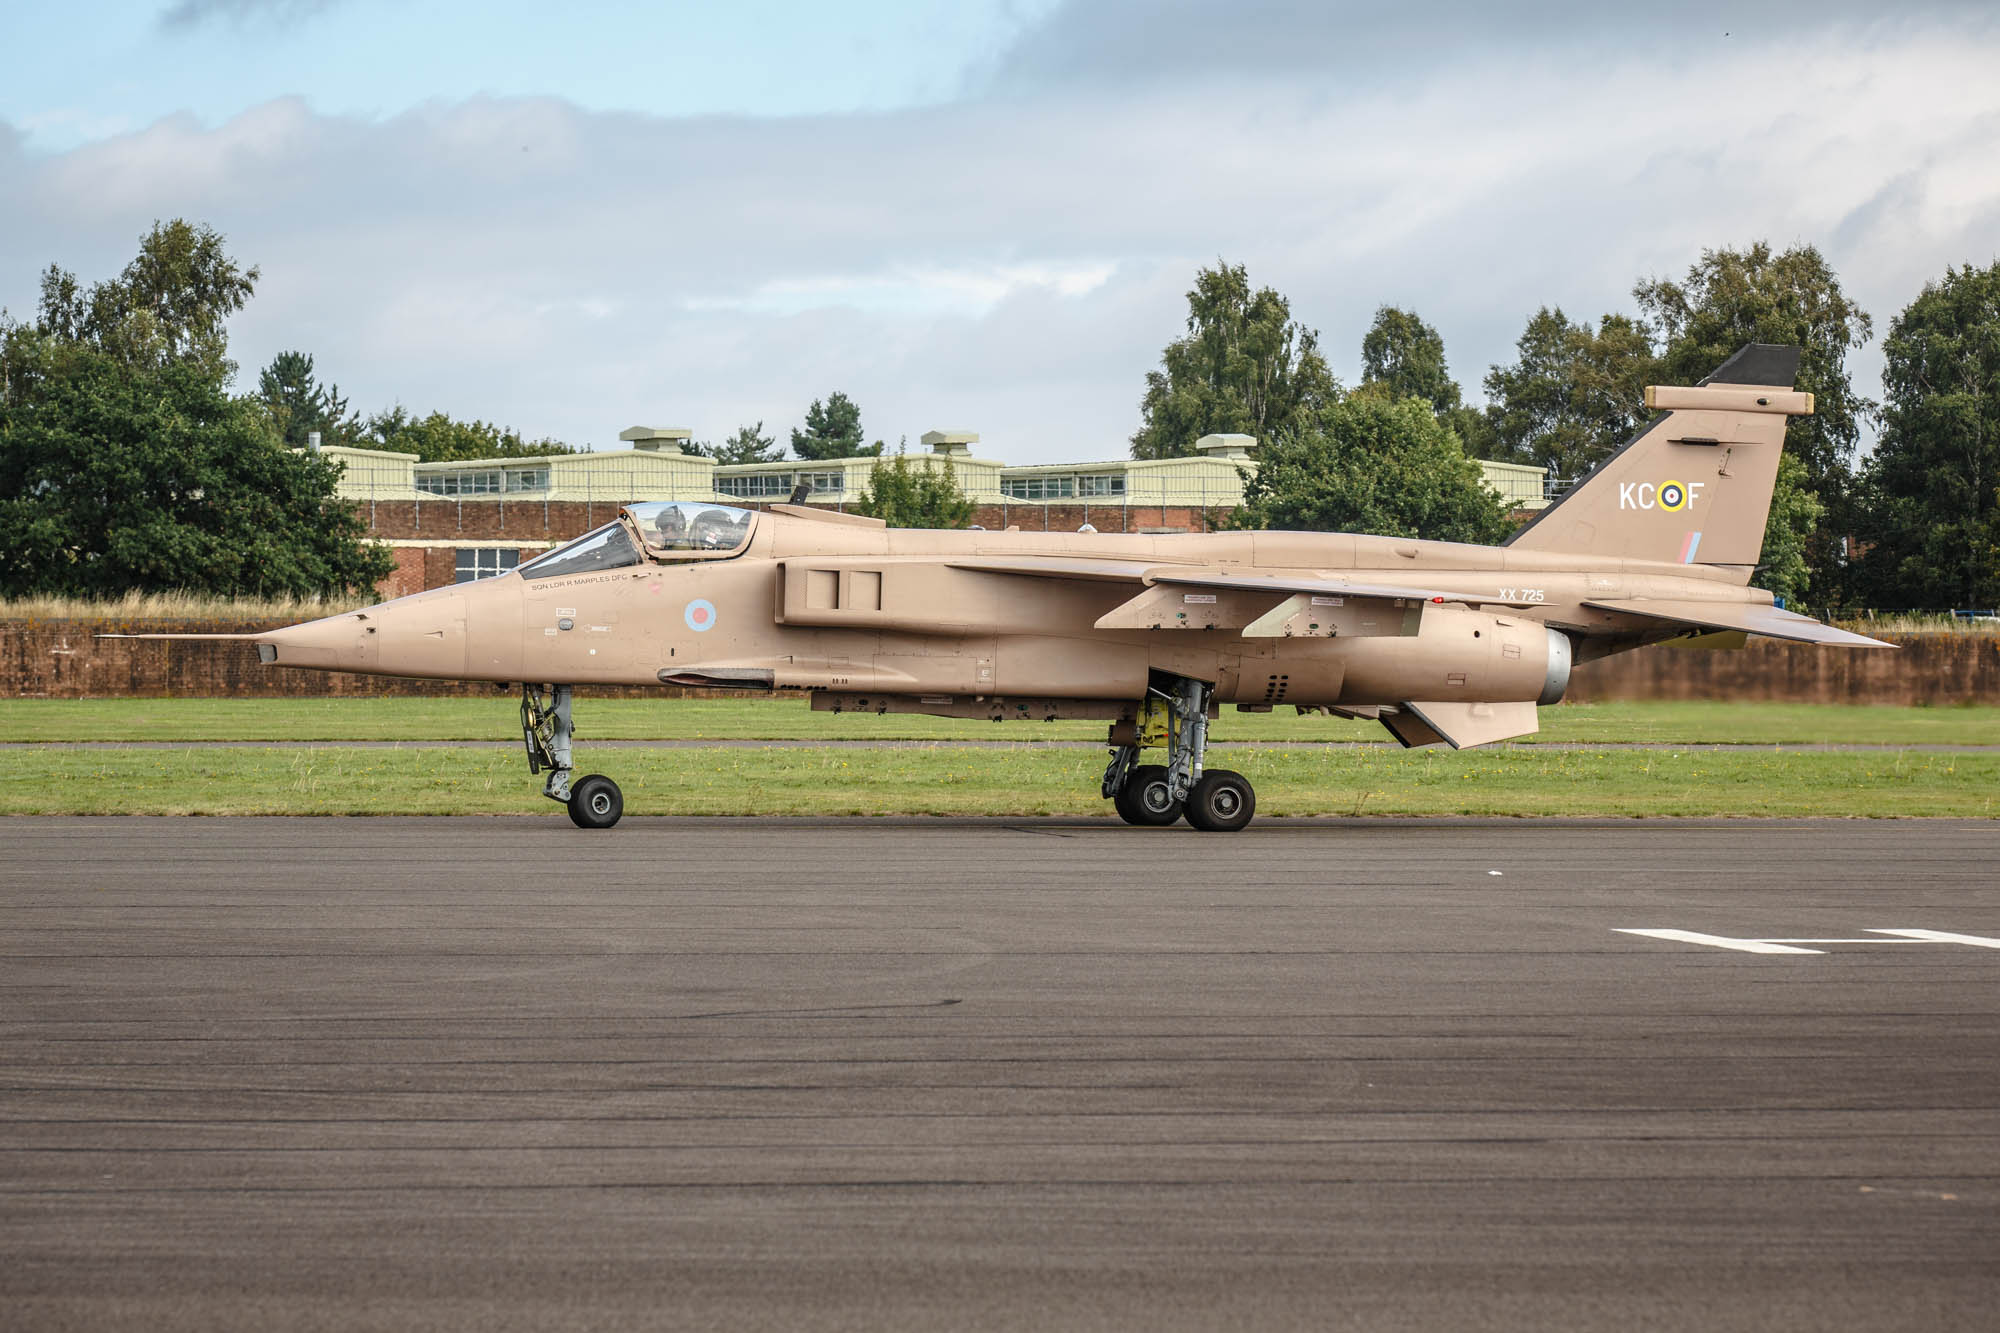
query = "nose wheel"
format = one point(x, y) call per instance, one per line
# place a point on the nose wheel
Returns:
point(593, 801)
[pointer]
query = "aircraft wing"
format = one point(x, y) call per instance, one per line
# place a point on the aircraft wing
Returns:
point(1257, 606)
point(1059, 567)
point(1769, 621)
point(1198, 576)
point(1283, 583)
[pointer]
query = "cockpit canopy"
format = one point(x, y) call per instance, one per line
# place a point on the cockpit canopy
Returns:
point(672, 530)
point(683, 525)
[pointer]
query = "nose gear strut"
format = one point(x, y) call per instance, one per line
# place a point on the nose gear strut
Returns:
point(546, 730)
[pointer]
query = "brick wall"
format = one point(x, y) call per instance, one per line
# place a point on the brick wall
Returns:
point(1103, 517)
point(63, 659)
point(489, 522)
point(1938, 669)
point(484, 522)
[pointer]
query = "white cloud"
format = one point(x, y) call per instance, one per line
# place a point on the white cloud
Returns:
point(930, 290)
point(1012, 263)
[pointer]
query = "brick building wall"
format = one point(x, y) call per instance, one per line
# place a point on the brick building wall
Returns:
point(1103, 517)
point(426, 535)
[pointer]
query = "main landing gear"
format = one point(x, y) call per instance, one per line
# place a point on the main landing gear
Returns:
point(1175, 716)
point(594, 801)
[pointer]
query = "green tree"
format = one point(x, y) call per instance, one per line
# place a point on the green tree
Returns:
point(1792, 297)
point(438, 438)
point(1929, 498)
point(125, 463)
point(169, 304)
point(1245, 367)
point(832, 431)
point(1403, 357)
point(748, 445)
point(1795, 516)
point(1373, 464)
point(1575, 395)
point(299, 404)
point(907, 492)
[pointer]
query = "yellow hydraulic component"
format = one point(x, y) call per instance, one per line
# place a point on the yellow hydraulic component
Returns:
point(1154, 721)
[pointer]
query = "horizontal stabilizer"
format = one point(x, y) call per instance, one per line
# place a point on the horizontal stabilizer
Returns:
point(1460, 725)
point(1769, 621)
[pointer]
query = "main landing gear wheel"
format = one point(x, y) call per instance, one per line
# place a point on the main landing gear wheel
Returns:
point(1147, 798)
point(595, 802)
point(1174, 714)
point(1221, 802)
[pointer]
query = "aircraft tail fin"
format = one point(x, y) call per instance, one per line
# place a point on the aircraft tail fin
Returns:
point(1694, 485)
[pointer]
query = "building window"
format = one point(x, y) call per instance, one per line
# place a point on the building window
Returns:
point(1039, 488)
point(825, 483)
point(483, 562)
point(758, 485)
point(1100, 483)
point(527, 479)
point(480, 482)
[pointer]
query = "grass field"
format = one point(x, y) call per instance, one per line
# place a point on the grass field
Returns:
point(971, 781)
point(495, 718)
point(1028, 781)
point(947, 778)
point(179, 606)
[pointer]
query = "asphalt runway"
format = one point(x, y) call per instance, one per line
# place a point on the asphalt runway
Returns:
point(502, 1073)
point(1678, 747)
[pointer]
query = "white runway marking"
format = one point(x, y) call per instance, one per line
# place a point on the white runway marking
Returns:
point(1945, 937)
point(1718, 941)
point(1783, 944)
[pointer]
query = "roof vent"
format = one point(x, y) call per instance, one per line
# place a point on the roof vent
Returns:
point(1226, 446)
point(658, 439)
point(957, 442)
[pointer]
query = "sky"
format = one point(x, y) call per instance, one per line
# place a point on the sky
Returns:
point(980, 215)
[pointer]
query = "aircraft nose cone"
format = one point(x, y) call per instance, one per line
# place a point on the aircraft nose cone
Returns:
point(422, 635)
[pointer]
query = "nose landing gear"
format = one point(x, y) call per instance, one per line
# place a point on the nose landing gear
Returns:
point(594, 801)
point(1175, 716)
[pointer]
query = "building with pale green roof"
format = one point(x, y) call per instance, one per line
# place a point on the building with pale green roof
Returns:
point(654, 465)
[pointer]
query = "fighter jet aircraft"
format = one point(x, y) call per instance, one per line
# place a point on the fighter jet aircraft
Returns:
point(1440, 642)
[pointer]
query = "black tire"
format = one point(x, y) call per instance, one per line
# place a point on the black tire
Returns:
point(595, 802)
point(1222, 802)
point(1145, 799)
